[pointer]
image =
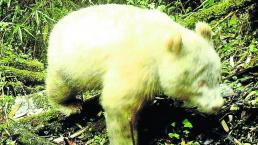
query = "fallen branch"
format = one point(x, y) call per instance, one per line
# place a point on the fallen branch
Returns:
point(24, 76)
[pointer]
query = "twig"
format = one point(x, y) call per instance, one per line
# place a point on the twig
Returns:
point(242, 72)
point(230, 14)
point(182, 6)
point(200, 5)
point(79, 132)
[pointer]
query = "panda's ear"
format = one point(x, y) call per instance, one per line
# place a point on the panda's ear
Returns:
point(204, 30)
point(175, 43)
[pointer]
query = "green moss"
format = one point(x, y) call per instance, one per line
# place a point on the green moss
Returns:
point(23, 135)
point(24, 76)
point(42, 119)
point(34, 89)
point(40, 100)
point(50, 121)
point(6, 103)
point(213, 12)
point(32, 65)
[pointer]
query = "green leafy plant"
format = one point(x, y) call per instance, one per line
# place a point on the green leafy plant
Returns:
point(181, 131)
point(253, 47)
point(174, 135)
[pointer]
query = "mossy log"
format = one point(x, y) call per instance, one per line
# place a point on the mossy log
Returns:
point(31, 65)
point(21, 76)
point(41, 120)
point(214, 12)
point(90, 106)
point(24, 76)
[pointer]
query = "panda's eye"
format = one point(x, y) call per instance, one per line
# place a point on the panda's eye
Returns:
point(202, 83)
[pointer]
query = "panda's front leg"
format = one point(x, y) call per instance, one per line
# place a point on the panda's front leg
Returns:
point(121, 99)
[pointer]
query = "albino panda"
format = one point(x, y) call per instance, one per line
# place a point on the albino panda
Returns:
point(131, 54)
